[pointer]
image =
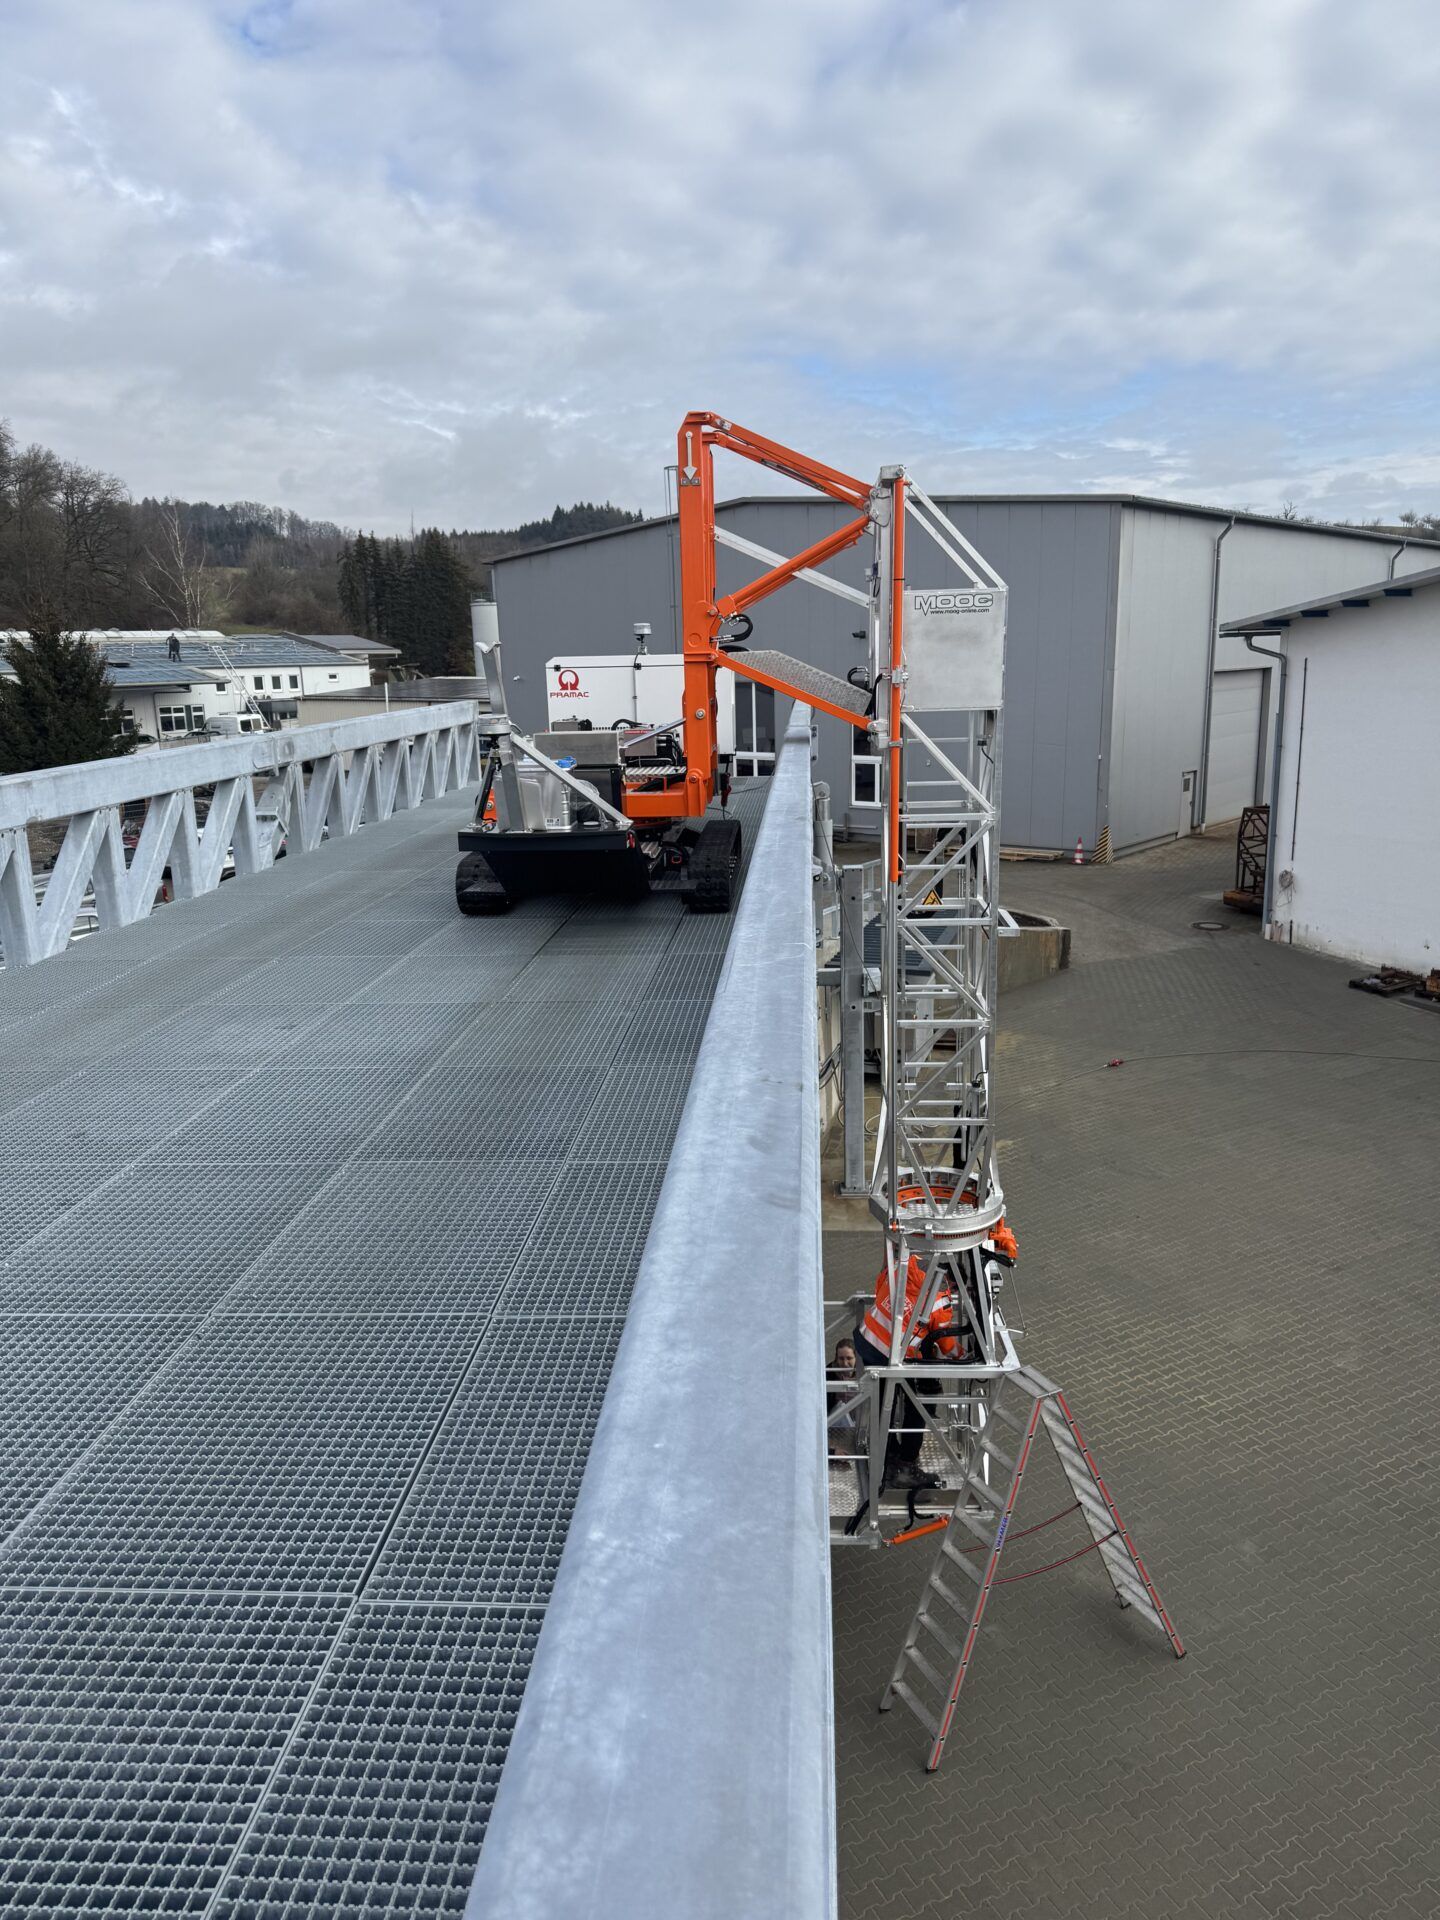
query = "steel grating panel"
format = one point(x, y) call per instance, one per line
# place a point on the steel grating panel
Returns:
point(270, 1452)
point(155, 1219)
point(320, 1207)
point(62, 1380)
point(135, 1738)
point(664, 1031)
point(488, 1514)
point(652, 1099)
point(381, 1805)
point(102, 1113)
point(401, 1236)
point(35, 1189)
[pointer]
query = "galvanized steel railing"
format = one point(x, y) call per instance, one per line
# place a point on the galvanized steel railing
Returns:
point(674, 1751)
point(359, 771)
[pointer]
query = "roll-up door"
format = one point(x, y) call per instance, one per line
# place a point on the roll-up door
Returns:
point(1235, 700)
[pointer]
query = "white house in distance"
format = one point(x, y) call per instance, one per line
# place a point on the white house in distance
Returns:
point(1354, 858)
point(177, 684)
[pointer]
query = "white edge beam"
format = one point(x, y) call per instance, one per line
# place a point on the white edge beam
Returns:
point(26, 798)
point(724, 538)
point(674, 1750)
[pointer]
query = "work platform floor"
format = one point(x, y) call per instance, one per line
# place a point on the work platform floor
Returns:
point(1229, 1258)
point(320, 1207)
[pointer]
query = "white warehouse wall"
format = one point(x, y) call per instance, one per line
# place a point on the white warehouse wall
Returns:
point(1360, 784)
point(1162, 640)
point(1162, 619)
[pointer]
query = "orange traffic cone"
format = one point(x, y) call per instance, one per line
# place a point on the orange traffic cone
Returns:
point(1078, 857)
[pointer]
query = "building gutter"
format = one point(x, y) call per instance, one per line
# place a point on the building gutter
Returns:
point(1202, 799)
point(1395, 559)
point(1267, 907)
point(674, 1749)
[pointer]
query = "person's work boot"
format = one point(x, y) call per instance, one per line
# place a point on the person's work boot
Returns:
point(907, 1473)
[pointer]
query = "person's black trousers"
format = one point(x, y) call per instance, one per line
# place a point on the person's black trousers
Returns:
point(907, 1428)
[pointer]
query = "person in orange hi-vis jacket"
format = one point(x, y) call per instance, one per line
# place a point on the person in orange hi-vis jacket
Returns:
point(938, 1336)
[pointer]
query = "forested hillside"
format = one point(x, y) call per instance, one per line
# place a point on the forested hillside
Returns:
point(77, 551)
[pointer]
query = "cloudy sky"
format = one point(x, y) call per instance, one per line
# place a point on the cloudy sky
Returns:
point(465, 260)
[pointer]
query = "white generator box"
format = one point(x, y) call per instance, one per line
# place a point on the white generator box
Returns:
point(954, 648)
point(645, 690)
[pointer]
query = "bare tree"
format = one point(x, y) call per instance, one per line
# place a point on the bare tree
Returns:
point(98, 543)
point(177, 573)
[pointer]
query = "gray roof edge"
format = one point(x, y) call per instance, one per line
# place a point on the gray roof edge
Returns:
point(1146, 501)
point(1399, 588)
point(357, 643)
point(704, 1500)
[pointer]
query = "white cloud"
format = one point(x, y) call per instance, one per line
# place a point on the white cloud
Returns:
point(467, 262)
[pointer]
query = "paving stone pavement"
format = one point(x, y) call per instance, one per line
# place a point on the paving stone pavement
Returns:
point(1229, 1251)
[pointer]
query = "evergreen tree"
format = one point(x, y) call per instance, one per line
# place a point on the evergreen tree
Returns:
point(351, 583)
point(440, 639)
point(60, 707)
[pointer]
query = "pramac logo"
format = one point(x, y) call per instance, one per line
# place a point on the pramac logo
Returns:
point(570, 682)
point(954, 602)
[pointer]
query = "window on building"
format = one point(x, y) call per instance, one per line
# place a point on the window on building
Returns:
point(294, 679)
point(864, 771)
point(127, 720)
point(185, 719)
point(333, 676)
point(259, 683)
point(275, 681)
point(754, 728)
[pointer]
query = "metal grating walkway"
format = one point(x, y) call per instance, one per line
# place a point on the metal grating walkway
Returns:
point(320, 1207)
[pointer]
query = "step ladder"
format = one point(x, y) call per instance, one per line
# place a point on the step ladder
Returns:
point(941, 1641)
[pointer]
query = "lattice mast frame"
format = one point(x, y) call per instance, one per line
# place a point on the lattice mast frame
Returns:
point(935, 1186)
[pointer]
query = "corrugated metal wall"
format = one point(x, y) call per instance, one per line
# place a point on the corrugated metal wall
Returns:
point(1059, 559)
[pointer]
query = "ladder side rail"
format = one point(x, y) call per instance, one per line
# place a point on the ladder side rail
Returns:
point(982, 1598)
point(1118, 1541)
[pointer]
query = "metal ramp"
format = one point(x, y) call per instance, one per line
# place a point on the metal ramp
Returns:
point(320, 1208)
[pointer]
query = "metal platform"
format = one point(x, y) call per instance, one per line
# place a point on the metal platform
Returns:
point(320, 1207)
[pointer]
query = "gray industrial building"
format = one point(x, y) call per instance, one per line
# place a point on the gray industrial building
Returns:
point(1126, 717)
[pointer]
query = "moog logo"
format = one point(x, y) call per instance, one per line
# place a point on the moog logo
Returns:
point(954, 602)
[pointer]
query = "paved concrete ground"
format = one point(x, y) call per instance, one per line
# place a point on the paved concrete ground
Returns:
point(1228, 1258)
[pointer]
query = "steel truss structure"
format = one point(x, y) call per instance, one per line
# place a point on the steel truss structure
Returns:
point(315, 782)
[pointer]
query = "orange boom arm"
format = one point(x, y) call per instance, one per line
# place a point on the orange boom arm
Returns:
point(702, 613)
